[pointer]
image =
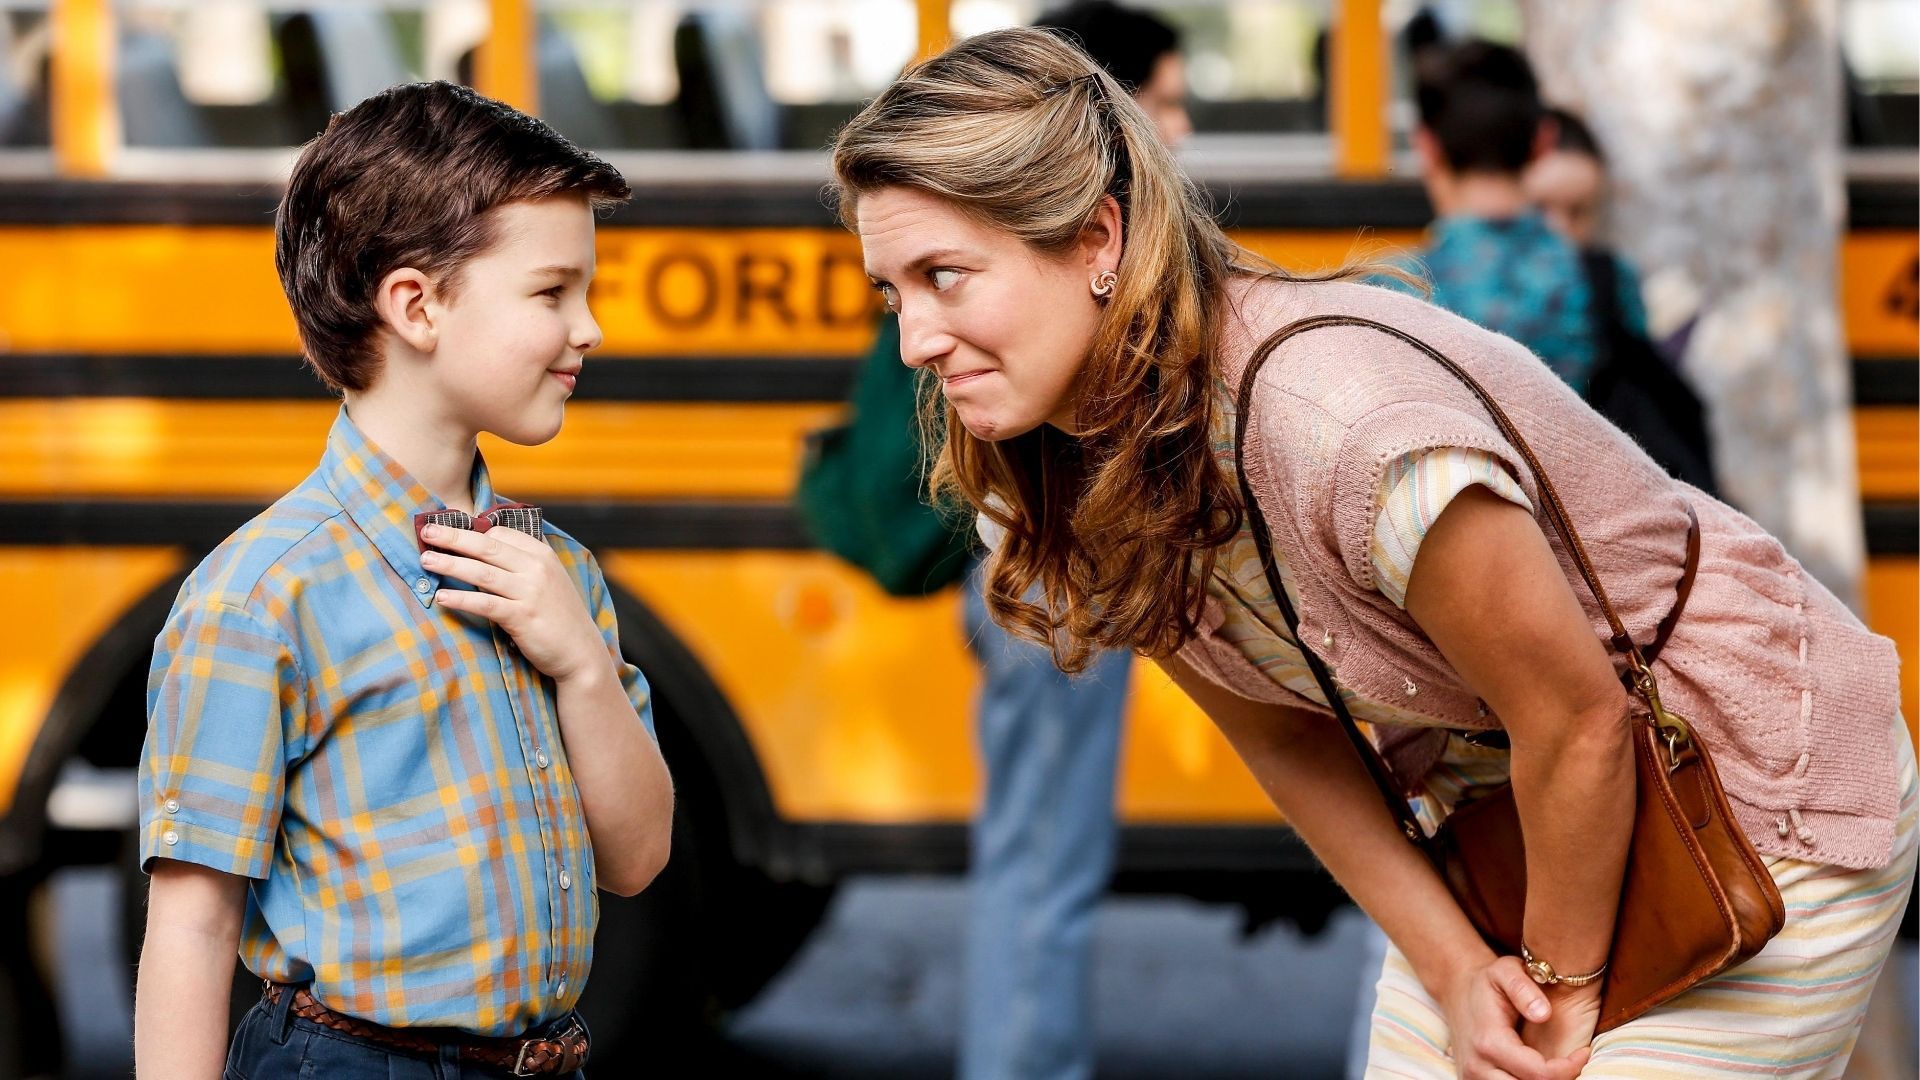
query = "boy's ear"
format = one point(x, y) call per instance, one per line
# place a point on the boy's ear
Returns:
point(407, 307)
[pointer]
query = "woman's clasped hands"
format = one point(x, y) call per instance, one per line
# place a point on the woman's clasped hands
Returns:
point(1505, 1027)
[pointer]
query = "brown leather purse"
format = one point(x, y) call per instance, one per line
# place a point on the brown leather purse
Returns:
point(1696, 899)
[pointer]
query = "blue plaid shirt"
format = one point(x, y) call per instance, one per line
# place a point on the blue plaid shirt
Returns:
point(389, 773)
point(1516, 276)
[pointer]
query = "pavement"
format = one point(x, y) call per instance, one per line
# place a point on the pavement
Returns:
point(1179, 992)
point(875, 993)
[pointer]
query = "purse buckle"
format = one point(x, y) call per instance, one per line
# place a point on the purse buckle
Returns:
point(1673, 751)
point(1674, 730)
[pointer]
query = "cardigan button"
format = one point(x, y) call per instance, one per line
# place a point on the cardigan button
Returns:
point(1411, 689)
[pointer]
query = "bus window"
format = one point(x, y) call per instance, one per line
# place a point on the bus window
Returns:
point(1254, 67)
point(1882, 72)
point(776, 75)
point(251, 74)
point(26, 41)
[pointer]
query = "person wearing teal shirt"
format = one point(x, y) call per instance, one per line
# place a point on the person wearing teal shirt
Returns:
point(1490, 256)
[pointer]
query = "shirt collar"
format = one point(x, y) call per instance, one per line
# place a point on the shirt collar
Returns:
point(381, 497)
point(1526, 223)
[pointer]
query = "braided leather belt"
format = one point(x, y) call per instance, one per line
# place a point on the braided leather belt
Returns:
point(552, 1054)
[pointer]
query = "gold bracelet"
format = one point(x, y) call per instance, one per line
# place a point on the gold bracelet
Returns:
point(1542, 972)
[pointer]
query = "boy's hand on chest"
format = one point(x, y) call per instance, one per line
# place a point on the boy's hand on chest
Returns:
point(524, 590)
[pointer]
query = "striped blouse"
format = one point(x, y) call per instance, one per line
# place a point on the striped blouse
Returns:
point(1414, 490)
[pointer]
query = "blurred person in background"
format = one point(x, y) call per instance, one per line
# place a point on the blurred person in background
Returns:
point(1568, 183)
point(1043, 840)
point(1639, 382)
point(1140, 50)
point(1491, 255)
point(1570, 186)
point(1497, 258)
point(1093, 330)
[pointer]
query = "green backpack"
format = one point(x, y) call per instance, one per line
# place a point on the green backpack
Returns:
point(862, 489)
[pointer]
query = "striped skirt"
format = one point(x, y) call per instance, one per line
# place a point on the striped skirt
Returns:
point(1794, 1010)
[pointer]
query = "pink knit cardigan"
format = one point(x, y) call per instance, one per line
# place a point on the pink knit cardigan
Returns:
point(1794, 696)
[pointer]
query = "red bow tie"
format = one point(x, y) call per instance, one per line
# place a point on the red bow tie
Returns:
point(516, 516)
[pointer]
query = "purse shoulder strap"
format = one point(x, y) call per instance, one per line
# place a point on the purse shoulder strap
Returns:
point(1550, 499)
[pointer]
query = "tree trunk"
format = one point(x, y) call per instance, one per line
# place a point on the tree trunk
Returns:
point(1722, 122)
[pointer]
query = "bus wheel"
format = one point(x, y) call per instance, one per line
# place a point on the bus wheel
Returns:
point(647, 996)
point(30, 1042)
point(704, 938)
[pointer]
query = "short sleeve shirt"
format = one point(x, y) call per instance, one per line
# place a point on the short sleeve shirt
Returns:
point(389, 773)
point(1413, 491)
point(1518, 277)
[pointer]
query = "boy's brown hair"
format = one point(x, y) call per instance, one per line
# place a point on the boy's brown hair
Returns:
point(406, 178)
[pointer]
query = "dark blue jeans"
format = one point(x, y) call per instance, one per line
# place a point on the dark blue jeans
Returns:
point(274, 1044)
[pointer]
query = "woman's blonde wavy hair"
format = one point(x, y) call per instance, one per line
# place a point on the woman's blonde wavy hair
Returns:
point(1118, 524)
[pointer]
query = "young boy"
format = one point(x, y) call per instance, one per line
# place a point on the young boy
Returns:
point(390, 756)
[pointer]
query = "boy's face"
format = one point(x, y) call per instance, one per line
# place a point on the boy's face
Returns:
point(512, 341)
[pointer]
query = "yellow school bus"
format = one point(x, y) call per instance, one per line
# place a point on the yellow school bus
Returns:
point(152, 399)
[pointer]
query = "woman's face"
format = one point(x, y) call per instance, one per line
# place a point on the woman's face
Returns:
point(1005, 327)
point(1568, 187)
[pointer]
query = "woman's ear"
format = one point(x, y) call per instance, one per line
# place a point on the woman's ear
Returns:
point(406, 304)
point(1102, 241)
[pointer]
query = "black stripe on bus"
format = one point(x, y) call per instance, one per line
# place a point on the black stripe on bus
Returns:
point(1886, 381)
point(82, 202)
point(1321, 204)
point(1273, 204)
point(1144, 849)
point(765, 379)
point(1883, 203)
point(246, 378)
point(601, 525)
point(1892, 528)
